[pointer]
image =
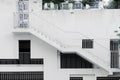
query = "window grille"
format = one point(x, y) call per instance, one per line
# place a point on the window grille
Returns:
point(72, 60)
point(87, 43)
point(76, 78)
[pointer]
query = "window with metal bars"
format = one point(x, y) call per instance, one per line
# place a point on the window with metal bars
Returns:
point(114, 53)
point(76, 78)
point(87, 43)
point(114, 45)
point(114, 59)
point(24, 51)
point(17, 61)
point(72, 60)
point(108, 78)
point(9, 61)
point(22, 75)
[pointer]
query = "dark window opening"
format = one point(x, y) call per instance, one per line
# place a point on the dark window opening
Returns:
point(9, 61)
point(114, 53)
point(114, 45)
point(114, 60)
point(24, 51)
point(76, 78)
point(72, 60)
point(108, 78)
point(22, 75)
point(24, 57)
point(17, 61)
point(37, 61)
point(87, 43)
point(24, 45)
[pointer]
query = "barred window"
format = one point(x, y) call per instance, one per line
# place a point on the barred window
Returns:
point(114, 45)
point(114, 59)
point(22, 61)
point(108, 78)
point(87, 43)
point(114, 53)
point(72, 60)
point(22, 75)
point(76, 78)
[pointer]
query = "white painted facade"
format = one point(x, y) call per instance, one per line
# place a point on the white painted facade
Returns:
point(68, 28)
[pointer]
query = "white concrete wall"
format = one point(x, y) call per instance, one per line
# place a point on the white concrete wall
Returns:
point(71, 28)
point(40, 49)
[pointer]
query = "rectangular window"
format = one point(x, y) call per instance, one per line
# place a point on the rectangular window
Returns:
point(22, 75)
point(72, 60)
point(76, 78)
point(114, 59)
point(114, 45)
point(114, 53)
point(108, 78)
point(9, 61)
point(37, 61)
point(87, 43)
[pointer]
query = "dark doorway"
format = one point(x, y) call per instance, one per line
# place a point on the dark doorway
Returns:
point(24, 51)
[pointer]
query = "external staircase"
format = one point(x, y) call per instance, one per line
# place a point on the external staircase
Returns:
point(51, 40)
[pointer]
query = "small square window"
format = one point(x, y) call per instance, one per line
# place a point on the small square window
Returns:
point(87, 43)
